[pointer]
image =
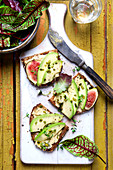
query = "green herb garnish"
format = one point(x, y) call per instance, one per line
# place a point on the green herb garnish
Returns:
point(76, 68)
point(74, 125)
point(27, 115)
point(80, 98)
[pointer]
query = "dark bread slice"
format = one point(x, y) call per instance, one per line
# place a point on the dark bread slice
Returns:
point(36, 57)
point(89, 86)
point(33, 134)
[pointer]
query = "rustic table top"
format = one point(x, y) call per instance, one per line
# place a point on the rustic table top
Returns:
point(95, 38)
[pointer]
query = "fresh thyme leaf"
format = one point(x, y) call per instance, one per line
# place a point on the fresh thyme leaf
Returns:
point(76, 68)
point(57, 147)
point(74, 120)
point(80, 98)
point(61, 147)
point(27, 115)
point(73, 130)
point(74, 125)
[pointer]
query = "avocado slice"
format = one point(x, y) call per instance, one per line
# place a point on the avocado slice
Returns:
point(73, 95)
point(44, 65)
point(82, 88)
point(52, 72)
point(68, 108)
point(63, 102)
point(40, 122)
point(49, 132)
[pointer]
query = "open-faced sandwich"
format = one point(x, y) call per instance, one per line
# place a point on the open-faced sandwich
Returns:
point(46, 128)
point(43, 68)
point(78, 97)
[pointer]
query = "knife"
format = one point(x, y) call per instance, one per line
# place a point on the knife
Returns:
point(64, 49)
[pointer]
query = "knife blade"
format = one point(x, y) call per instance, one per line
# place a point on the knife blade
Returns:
point(64, 49)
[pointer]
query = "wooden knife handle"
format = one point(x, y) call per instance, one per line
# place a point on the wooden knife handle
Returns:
point(100, 82)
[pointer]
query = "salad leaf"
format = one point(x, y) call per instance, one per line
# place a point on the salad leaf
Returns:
point(6, 42)
point(26, 19)
point(7, 15)
point(24, 26)
point(13, 4)
point(63, 83)
point(23, 1)
point(1, 42)
point(81, 146)
point(17, 16)
point(29, 10)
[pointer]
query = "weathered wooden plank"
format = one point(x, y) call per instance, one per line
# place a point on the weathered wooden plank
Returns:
point(110, 80)
point(1, 113)
point(98, 51)
point(7, 112)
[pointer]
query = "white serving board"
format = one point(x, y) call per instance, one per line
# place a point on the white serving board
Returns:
point(28, 98)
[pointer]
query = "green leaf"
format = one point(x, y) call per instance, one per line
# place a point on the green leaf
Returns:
point(63, 83)
point(1, 42)
point(60, 86)
point(6, 42)
point(81, 146)
point(14, 21)
point(33, 8)
point(7, 15)
point(24, 26)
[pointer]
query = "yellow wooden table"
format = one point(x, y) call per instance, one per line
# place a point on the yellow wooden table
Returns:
point(96, 38)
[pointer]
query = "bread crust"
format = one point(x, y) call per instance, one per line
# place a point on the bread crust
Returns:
point(33, 134)
point(35, 107)
point(83, 77)
point(24, 60)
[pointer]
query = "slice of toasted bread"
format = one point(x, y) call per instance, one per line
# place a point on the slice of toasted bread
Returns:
point(39, 110)
point(32, 63)
point(89, 87)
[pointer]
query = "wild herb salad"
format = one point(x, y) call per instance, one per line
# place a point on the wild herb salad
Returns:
point(16, 17)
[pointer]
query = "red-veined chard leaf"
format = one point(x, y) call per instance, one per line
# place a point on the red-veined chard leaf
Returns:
point(63, 83)
point(7, 15)
point(11, 21)
point(81, 146)
point(6, 42)
point(24, 26)
point(1, 42)
point(15, 5)
point(29, 19)
point(29, 10)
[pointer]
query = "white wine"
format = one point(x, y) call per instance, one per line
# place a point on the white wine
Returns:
point(84, 11)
